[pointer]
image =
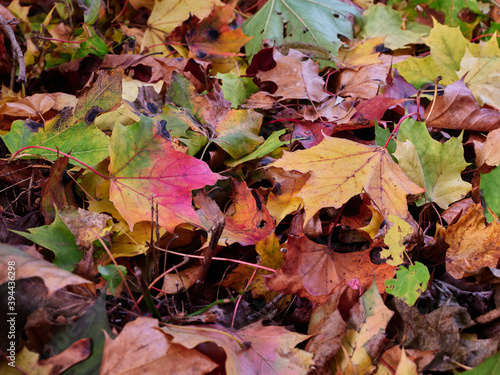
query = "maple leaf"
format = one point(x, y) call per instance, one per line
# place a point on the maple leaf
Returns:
point(296, 77)
point(396, 35)
point(167, 15)
point(145, 165)
point(235, 131)
point(247, 220)
point(312, 22)
point(211, 37)
point(431, 164)
point(447, 49)
point(272, 348)
point(341, 169)
point(458, 109)
point(473, 244)
point(482, 77)
point(141, 347)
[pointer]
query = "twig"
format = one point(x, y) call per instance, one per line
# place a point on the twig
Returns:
point(16, 49)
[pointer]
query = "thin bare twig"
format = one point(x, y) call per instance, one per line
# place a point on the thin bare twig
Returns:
point(16, 49)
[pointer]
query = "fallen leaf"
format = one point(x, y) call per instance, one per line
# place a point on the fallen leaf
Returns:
point(145, 165)
point(473, 244)
point(296, 77)
point(341, 169)
point(489, 151)
point(411, 282)
point(482, 77)
point(396, 35)
point(271, 349)
point(441, 164)
point(142, 347)
point(318, 23)
point(27, 266)
point(167, 15)
point(247, 220)
point(395, 239)
point(458, 109)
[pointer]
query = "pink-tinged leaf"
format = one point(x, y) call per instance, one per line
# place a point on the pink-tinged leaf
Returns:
point(144, 165)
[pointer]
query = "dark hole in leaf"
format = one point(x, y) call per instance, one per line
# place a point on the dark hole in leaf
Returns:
point(277, 189)
point(201, 55)
point(335, 15)
point(262, 224)
point(163, 131)
point(92, 114)
point(33, 126)
point(213, 35)
point(257, 200)
point(152, 108)
point(305, 30)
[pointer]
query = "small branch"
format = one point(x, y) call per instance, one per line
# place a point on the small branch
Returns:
point(16, 49)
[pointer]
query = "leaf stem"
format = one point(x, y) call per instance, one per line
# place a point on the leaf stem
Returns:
point(396, 128)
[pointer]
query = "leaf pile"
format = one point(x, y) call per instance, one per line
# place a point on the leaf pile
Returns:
point(250, 187)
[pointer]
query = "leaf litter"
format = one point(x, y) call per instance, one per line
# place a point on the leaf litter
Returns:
point(289, 189)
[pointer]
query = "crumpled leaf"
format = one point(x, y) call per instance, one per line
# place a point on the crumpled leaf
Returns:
point(272, 348)
point(411, 282)
point(489, 151)
point(296, 77)
point(441, 164)
point(473, 244)
point(142, 347)
point(212, 37)
point(310, 22)
point(458, 109)
point(341, 169)
point(144, 165)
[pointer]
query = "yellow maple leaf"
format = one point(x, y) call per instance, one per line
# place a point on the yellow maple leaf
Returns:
point(341, 169)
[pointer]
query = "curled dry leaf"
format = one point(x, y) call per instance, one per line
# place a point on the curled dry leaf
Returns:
point(459, 109)
point(26, 266)
point(489, 151)
point(295, 77)
point(141, 347)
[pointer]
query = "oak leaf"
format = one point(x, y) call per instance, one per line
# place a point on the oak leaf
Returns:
point(341, 169)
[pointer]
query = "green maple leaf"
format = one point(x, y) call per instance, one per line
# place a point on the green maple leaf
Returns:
point(396, 36)
point(432, 165)
point(410, 283)
point(317, 23)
